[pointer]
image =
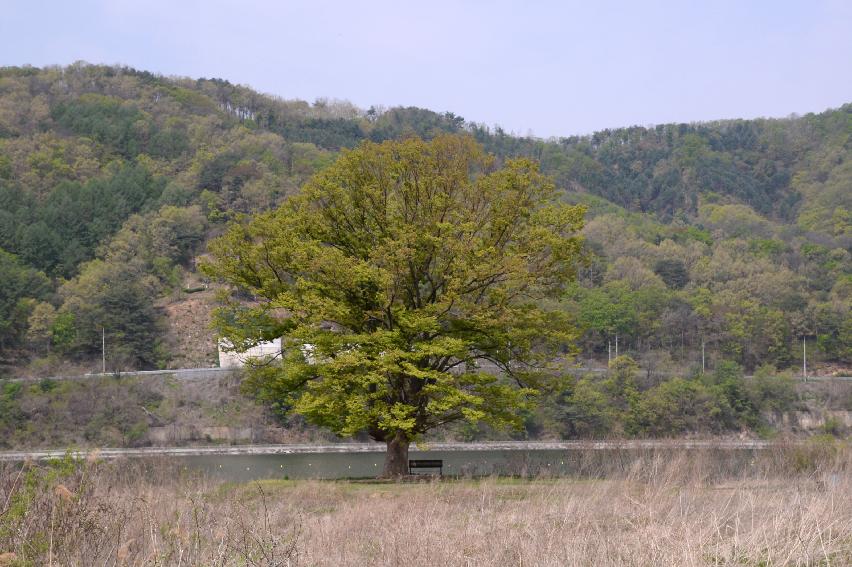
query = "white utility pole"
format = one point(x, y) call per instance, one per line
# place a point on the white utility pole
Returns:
point(616, 346)
point(609, 353)
point(103, 350)
point(805, 358)
point(702, 356)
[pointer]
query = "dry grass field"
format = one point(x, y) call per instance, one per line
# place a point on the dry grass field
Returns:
point(792, 506)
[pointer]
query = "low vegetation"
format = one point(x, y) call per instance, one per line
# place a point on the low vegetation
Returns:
point(211, 408)
point(133, 411)
point(627, 402)
point(789, 506)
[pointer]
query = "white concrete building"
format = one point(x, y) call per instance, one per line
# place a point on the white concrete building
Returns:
point(229, 358)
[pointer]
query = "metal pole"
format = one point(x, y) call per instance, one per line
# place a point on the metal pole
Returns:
point(608, 353)
point(702, 356)
point(616, 346)
point(103, 350)
point(805, 358)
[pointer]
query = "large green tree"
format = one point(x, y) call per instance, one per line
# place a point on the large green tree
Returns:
point(407, 281)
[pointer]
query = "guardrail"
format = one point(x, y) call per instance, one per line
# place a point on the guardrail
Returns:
point(175, 373)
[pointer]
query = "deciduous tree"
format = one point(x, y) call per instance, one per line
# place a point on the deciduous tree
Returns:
point(406, 281)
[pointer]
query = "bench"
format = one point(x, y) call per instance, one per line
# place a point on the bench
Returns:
point(431, 464)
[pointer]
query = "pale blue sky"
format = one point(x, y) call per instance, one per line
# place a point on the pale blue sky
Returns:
point(550, 68)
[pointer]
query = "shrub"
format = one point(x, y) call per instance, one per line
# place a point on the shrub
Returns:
point(817, 453)
point(683, 406)
point(833, 426)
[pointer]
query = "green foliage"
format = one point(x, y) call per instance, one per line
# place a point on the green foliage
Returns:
point(767, 247)
point(63, 231)
point(833, 426)
point(699, 235)
point(11, 414)
point(105, 119)
point(116, 292)
point(818, 452)
point(34, 482)
point(680, 406)
point(104, 412)
point(728, 382)
point(20, 287)
point(117, 299)
point(63, 332)
point(673, 273)
point(160, 239)
point(607, 310)
point(392, 275)
point(620, 383)
point(47, 384)
point(121, 126)
point(615, 405)
point(214, 173)
point(770, 391)
point(588, 411)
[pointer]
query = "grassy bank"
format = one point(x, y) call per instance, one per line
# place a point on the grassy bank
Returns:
point(164, 410)
point(792, 507)
point(137, 411)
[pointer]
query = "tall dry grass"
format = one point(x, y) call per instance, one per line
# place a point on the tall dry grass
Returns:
point(790, 506)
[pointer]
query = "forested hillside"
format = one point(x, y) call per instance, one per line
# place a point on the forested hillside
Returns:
point(734, 235)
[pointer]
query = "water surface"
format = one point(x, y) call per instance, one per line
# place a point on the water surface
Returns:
point(337, 465)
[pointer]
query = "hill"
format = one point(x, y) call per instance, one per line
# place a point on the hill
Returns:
point(730, 237)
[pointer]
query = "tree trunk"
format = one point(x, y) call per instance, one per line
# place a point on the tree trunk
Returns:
point(396, 458)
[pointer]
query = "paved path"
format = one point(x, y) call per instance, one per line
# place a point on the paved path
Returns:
point(113, 453)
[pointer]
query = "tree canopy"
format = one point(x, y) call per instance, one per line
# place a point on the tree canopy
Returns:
point(407, 280)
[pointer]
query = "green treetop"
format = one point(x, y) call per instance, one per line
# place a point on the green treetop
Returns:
point(406, 281)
